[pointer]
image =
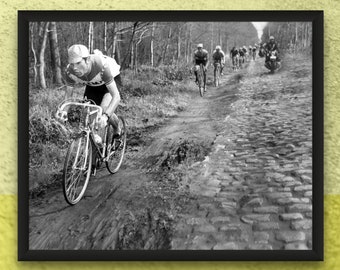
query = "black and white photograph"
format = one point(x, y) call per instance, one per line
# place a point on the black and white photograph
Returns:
point(193, 136)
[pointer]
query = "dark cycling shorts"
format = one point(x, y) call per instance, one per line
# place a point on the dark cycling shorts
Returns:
point(96, 93)
point(198, 62)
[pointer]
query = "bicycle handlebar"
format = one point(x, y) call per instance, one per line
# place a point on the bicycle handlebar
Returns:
point(61, 114)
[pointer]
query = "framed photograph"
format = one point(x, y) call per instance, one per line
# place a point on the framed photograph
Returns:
point(170, 135)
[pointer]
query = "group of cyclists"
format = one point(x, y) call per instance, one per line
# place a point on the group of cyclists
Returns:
point(238, 56)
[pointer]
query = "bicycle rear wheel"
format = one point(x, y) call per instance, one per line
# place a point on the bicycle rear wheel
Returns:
point(77, 169)
point(116, 147)
point(201, 80)
point(217, 75)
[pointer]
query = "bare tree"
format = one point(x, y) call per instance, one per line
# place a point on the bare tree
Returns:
point(151, 44)
point(105, 37)
point(42, 57)
point(179, 44)
point(34, 54)
point(90, 46)
point(55, 55)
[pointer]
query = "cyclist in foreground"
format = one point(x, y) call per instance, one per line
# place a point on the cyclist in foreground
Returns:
point(101, 75)
point(201, 57)
point(218, 56)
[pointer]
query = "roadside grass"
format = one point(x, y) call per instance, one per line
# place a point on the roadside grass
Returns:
point(150, 96)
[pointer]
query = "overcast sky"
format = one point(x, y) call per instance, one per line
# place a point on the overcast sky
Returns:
point(259, 28)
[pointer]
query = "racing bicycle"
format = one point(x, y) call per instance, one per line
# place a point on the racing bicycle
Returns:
point(200, 78)
point(88, 150)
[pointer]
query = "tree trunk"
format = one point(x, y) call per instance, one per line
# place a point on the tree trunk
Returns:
point(212, 38)
point(151, 44)
point(34, 54)
point(135, 61)
point(55, 55)
point(135, 64)
point(305, 41)
point(166, 46)
point(115, 47)
point(130, 52)
point(296, 36)
point(42, 58)
point(132, 55)
point(179, 45)
point(188, 45)
point(220, 37)
point(105, 38)
point(90, 46)
point(114, 39)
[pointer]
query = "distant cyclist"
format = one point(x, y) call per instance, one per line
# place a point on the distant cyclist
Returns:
point(254, 51)
point(245, 51)
point(218, 56)
point(101, 75)
point(241, 60)
point(201, 57)
point(234, 56)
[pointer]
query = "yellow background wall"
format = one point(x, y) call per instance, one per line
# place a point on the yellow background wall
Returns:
point(8, 127)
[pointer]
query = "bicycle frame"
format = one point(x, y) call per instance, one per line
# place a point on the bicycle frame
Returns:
point(88, 129)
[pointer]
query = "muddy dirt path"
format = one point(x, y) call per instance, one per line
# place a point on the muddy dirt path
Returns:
point(233, 171)
point(135, 208)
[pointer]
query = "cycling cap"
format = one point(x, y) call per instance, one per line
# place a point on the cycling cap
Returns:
point(271, 37)
point(199, 45)
point(76, 53)
point(218, 47)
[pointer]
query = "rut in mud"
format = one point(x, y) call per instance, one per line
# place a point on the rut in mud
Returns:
point(186, 184)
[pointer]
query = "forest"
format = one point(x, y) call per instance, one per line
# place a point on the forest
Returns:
point(147, 43)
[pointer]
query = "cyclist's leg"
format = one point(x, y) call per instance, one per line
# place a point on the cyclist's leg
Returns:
point(95, 94)
point(113, 119)
point(204, 77)
point(107, 98)
point(195, 72)
point(196, 68)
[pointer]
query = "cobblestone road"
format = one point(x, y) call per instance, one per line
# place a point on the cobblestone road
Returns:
point(254, 190)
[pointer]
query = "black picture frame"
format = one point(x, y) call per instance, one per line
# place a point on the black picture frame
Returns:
point(317, 252)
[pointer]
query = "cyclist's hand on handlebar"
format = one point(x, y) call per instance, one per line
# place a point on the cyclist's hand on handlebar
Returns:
point(103, 121)
point(205, 69)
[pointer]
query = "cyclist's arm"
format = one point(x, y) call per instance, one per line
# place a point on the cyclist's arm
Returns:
point(70, 83)
point(223, 58)
point(113, 90)
point(207, 62)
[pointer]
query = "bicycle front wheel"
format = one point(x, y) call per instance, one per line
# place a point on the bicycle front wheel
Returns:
point(116, 147)
point(77, 169)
